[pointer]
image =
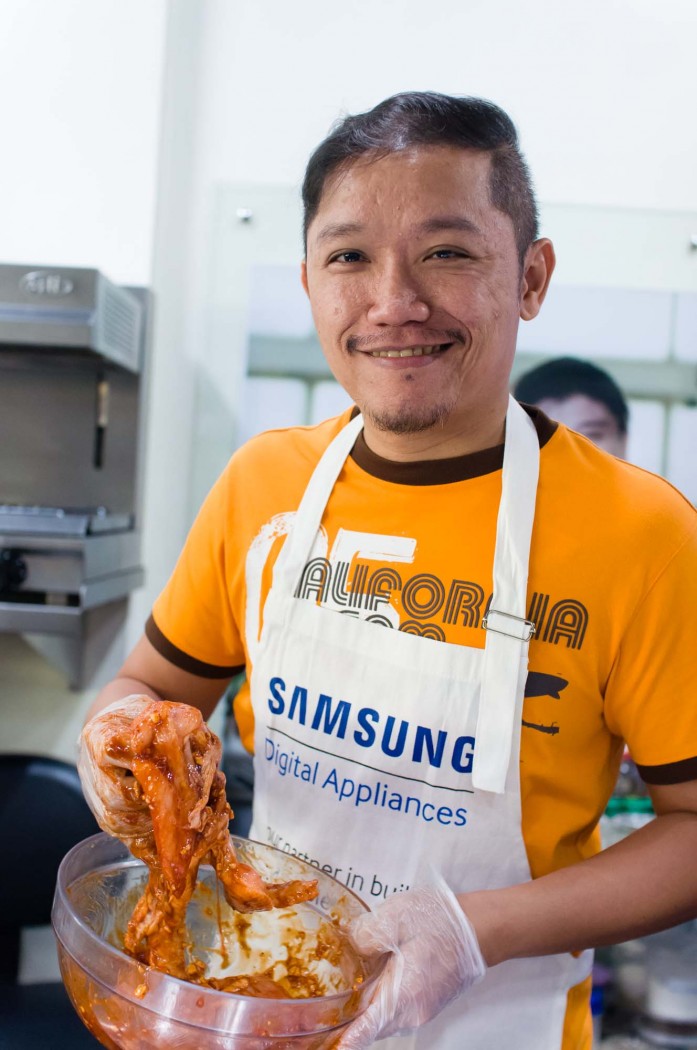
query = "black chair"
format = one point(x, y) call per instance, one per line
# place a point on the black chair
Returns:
point(43, 814)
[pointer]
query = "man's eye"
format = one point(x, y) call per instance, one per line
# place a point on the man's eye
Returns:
point(448, 253)
point(347, 257)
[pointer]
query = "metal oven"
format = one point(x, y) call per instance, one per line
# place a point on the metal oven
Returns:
point(73, 357)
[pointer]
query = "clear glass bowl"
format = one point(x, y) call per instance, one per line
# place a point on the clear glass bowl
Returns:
point(129, 1006)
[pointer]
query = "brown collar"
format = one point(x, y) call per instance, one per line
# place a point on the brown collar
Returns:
point(444, 471)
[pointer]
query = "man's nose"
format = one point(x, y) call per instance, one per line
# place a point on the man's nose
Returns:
point(396, 298)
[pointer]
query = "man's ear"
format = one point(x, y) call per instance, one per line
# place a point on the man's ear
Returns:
point(303, 277)
point(538, 267)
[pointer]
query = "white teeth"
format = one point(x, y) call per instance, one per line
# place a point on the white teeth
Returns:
point(412, 351)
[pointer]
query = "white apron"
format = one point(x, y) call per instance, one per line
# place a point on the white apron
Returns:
point(382, 756)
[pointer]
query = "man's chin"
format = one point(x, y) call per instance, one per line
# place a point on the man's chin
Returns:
point(411, 420)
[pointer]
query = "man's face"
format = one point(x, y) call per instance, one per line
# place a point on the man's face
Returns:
point(416, 289)
point(589, 417)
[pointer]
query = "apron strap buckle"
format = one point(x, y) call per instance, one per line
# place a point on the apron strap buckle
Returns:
point(507, 623)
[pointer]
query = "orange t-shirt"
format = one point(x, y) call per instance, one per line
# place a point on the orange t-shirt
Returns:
point(612, 584)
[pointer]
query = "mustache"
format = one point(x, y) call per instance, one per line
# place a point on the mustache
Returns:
point(424, 337)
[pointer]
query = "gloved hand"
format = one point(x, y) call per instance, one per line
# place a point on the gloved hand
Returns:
point(108, 785)
point(434, 957)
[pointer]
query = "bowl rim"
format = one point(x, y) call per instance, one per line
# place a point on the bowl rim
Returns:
point(217, 995)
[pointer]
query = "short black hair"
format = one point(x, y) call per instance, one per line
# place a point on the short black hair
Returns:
point(426, 118)
point(563, 377)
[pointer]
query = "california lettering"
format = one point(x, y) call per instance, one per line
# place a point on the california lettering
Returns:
point(429, 605)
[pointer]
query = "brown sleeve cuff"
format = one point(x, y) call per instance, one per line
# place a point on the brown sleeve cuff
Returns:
point(671, 773)
point(181, 659)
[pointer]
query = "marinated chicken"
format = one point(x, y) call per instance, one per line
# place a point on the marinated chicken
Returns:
point(150, 773)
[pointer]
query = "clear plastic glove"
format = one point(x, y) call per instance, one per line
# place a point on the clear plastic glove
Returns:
point(434, 957)
point(107, 782)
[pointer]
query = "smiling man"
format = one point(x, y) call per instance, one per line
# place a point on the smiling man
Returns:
point(446, 644)
point(417, 301)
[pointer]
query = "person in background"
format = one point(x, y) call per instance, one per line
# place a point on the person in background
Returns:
point(452, 611)
point(582, 396)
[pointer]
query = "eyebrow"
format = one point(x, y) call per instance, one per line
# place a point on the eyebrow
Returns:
point(449, 222)
point(435, 225)
point(339, 229)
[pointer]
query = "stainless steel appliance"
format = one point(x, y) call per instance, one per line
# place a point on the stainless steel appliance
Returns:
point(73, 365)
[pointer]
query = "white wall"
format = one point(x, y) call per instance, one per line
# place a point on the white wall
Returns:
point(602, 92)
point(80, 93)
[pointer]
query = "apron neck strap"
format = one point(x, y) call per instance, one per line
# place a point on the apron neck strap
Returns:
point(507, 630)
point(308, 517)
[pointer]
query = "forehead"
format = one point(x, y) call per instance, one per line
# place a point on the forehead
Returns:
point(409, 186)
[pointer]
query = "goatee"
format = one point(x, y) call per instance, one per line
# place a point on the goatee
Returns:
point(409, 419)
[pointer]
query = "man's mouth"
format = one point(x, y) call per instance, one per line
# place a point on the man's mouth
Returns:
point(411, 351)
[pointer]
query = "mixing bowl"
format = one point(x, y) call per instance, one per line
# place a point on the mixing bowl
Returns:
point(129, 1006)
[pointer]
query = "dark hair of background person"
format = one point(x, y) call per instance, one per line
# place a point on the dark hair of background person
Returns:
point(425, 118)
point(565, 376)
